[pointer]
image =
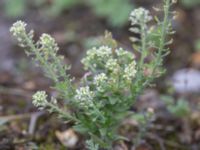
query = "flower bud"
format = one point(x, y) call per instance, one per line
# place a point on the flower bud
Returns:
point(40, 99)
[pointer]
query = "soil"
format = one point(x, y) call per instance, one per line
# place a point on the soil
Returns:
point(19, 79)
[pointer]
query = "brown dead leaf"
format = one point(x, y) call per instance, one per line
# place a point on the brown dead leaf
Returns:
point(29, 85)
point(197, 135)
point(195, 117)
point(143, 146)
point(68, 138)
point(120, 146)
point(195, 59)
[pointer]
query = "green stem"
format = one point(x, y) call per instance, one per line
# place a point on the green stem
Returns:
point(163, 34)
point(47, 67)
point(144, 45)
point(39, 57)
point(61, 112)
point(161, 47)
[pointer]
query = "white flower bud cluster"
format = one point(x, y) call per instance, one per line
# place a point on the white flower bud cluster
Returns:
point(139, 15)
point(118, 66)
point(112, 65)
point(123, 53)
point(103, 52)
point(139, 19)
point(46, 41)
point(18, 28)
point(84, 96)
point(40, 99)
point(130, 71)
point(100, 80)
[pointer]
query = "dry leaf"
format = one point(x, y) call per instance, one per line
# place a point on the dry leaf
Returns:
point(68, 138)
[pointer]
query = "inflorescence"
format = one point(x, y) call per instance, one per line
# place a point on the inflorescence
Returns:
point(115, 77)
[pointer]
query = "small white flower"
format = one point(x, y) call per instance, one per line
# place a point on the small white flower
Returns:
point(84, 96)
point(90, 56)
point(96, 54)
point(47, 41)
point(40, 99)
point(18, 28)
point(100, 80)
point(123, 53)
point(130, 71)
point(112, 65)
point(139, 15)
point(104, 51)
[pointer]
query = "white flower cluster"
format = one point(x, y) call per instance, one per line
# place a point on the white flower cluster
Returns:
point(118, 66)
point(123, 53)
point(100, 80)
point(47, 40)
point(112, 65)
point(130, 71)
point(40, 99)
point(18, 28)
point(48, 46)
point(139, 15)
point(93, 54)
point(84, 96)
point(139, 19)
point(104, 51)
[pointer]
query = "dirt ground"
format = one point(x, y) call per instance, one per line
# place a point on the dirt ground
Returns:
point(23, 127)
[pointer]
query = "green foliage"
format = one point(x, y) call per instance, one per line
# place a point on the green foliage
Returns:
point(58, 6)
point(102, 8)
point(112, 82)
point(91, 145)
point(180, 108)
point(15, 8)
point(190, 3)
point(197, 45)
point(144, 120)
point(108, 8)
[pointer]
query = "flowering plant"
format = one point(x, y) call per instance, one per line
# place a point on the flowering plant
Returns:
point(113, 80)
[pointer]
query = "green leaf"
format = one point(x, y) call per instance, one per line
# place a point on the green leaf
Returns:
point(168, 100)
point(190, 3)
point(15, 8)
point(91, 145)
point(98, 140)
point(59, 5)
point(103, 132)
point(119, 137)
point(80, 128)
point(107, 8)
point(113, 100)
point(181, 109)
